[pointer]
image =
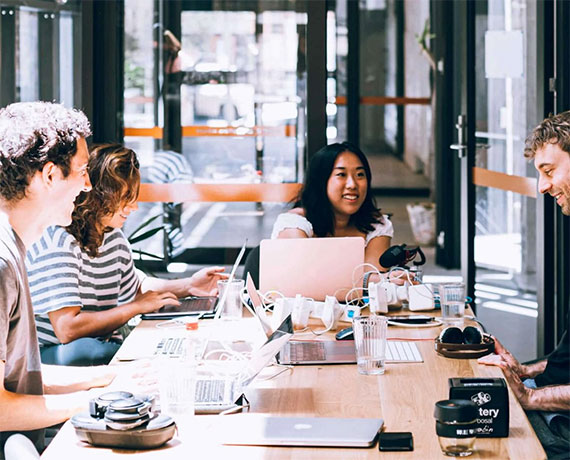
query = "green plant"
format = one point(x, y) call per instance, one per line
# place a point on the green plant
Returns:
point(423, 39)
point(134, 76)
point(136, 236)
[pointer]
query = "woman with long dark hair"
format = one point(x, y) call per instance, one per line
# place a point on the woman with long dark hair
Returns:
point(83, 281)
point(336, 201)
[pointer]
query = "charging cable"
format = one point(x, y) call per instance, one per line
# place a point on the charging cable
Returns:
point(267, 299)
point(364, 275)
point(227, 354)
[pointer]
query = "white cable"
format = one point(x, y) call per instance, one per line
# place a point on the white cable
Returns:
point(227, 354)
point(405, 272)
point(339, 290)
point(266, 299)
point(365, 264)
point(357, 299)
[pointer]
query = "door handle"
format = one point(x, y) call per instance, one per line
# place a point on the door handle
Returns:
point(460, 147)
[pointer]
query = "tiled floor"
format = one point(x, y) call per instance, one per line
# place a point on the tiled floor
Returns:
point(391, 173)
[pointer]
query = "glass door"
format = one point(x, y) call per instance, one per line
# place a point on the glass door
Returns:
point(498, 193)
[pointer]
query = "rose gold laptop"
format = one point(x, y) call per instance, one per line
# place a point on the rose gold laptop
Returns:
point(312, 267)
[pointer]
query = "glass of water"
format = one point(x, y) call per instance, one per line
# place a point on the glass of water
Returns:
point(370, 343)
point(177, 387)
point(452, 300)
point(232, 307)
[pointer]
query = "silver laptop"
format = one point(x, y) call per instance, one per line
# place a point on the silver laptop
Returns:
point(203, 306)
point(264, 430)
point(214, 394)
point(312, 267)
point(343, 352)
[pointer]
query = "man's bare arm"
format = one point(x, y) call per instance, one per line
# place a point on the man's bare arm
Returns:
point(19, 412)
point(68, 379)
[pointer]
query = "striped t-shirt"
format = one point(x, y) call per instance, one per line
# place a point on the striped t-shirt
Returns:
point(62, 275)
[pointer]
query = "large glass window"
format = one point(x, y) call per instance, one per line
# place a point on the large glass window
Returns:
point(220, 102)
point(47, 42)
point(378, 74)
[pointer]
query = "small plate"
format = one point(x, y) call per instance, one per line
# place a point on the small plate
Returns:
point(466, 351)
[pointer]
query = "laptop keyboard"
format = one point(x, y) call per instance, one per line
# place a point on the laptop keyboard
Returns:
point(396, 352)
point(174, 347)
point(313, 351)
point(210, 391)
point(170, 346)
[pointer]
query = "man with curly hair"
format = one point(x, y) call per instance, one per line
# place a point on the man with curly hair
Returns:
point(543, 387)
point(43, 167)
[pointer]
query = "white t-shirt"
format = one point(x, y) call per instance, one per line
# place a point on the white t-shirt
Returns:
point(293, 220)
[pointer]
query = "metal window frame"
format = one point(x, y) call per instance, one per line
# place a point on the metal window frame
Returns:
point(447, 174)
point(103, 68)
point(8, 54)
point(48, 54)
point(353, 72)
point(172, 137)
point(316, 76)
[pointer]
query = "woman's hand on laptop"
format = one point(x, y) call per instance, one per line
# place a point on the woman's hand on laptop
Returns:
point(205, 282)
point(152, 301)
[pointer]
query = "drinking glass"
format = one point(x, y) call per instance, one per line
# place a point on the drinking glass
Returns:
point(232, 307)
point(177, 388)
point(452, 301)
point(370, 343)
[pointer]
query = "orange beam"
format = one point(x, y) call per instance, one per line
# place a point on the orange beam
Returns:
point(273, 131)
point(177, 193)
point(155, 132)
point(383, 100)
point(517, 184)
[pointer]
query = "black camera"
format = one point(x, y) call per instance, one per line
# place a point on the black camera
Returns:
point(121, 419)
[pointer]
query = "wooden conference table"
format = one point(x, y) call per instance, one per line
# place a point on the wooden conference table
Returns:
point(404, 397)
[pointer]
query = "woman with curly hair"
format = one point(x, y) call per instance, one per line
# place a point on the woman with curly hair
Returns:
point(83, 282)
point(336, 201)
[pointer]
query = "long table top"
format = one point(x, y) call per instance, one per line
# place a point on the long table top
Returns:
point(404, 397)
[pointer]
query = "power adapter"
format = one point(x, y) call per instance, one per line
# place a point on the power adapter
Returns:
point(377, 299)
point(420, 297)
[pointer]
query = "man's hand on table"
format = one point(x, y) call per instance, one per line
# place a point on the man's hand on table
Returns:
point(503, 357)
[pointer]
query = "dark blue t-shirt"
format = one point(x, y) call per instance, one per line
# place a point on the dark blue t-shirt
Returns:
point(557, 370)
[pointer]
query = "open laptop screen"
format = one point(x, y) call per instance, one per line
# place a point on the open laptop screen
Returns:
point(312, 267)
